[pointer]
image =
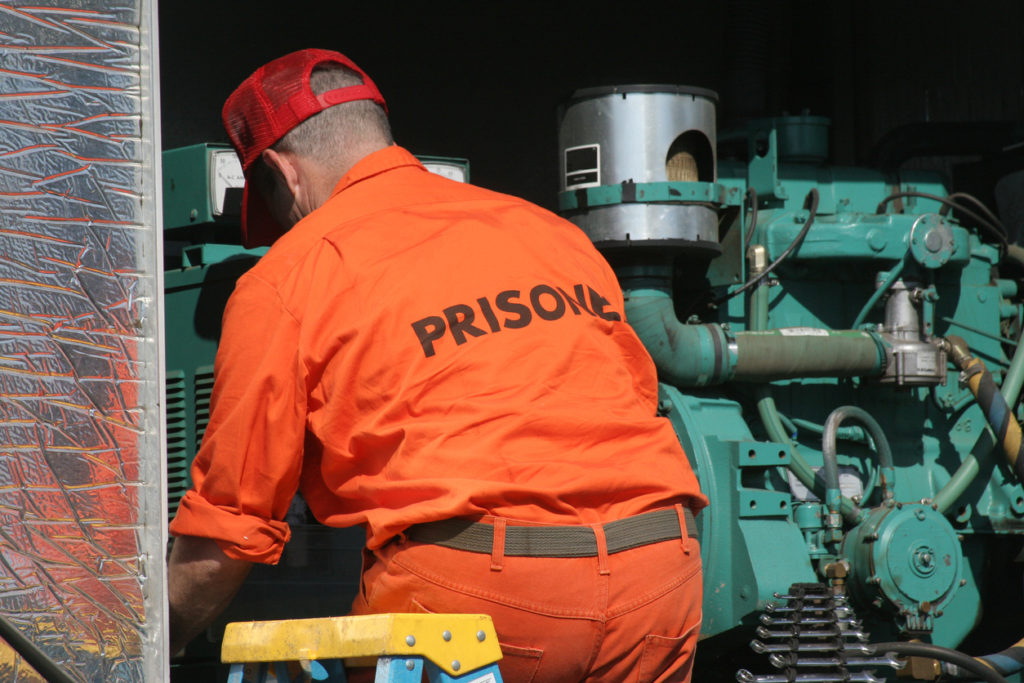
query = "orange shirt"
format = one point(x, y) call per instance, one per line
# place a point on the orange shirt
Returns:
point(420, 349)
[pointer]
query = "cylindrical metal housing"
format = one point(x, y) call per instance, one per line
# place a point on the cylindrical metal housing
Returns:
point(625, 135)
point(912, 360)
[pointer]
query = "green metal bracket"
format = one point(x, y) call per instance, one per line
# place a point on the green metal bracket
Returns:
point(208, 254)
point(856, 236)
point(761, 503)
point(634, 193)
point(763, 167)
point(760, 454)
point(754, 502)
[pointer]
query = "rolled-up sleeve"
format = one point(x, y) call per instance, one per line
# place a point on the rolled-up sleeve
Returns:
point(247, 470)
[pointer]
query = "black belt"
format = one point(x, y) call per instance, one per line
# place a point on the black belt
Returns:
point(556, 541)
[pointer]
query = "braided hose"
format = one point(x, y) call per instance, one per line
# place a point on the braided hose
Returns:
point(997, 412)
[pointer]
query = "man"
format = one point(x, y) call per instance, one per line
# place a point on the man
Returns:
point(449, 368)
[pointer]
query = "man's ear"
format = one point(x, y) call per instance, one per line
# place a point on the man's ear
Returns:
point(282, 166)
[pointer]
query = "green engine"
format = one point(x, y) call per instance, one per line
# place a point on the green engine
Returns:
point(835, 348)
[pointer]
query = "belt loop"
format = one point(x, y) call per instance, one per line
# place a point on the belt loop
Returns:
point(498, 545)
point(602, 550)
point(682, 527)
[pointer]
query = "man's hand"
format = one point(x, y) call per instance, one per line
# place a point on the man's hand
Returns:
point(201, 581)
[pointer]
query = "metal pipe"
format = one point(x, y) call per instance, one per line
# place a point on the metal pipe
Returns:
point(850, 433)
point(703, 355)
point(828, 451)
point(894, 275)
point(685, 355)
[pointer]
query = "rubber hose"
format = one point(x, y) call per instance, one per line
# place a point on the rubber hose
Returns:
point(982, 449)
point(1007, 662)
point(965, 662)
point(997, 412)
point(1015, 253)
point(764, 356)
point(1014, 379)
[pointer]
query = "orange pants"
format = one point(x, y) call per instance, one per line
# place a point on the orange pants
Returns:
point(630, 616)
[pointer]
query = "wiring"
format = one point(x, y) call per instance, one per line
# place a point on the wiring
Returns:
point(811, 204)
point(976, 202)
point(752, 198)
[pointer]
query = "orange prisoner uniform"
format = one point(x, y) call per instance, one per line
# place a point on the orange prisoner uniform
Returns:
point(418, 349)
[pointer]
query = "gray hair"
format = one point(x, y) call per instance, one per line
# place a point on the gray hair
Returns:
point(338, 131)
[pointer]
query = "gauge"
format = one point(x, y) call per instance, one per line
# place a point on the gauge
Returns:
point(226, 174)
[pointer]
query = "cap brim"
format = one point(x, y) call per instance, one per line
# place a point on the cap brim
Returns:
point(259, 229)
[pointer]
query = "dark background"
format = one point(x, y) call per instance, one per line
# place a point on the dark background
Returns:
point(483, 80)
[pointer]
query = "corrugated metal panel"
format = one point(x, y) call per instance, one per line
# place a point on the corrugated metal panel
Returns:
point(82, 502)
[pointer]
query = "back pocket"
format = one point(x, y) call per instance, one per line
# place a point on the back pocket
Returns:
point(666, 659)
point(518, 664)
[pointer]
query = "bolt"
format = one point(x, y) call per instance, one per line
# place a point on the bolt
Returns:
point(963, 582)
point(447, 635)
point(481, 636)
point(456, 665)
point(410, 641)
point(410, 665)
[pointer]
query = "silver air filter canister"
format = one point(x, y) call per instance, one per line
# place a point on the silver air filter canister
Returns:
point(637, 167)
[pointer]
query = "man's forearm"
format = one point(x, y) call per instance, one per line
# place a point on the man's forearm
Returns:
point(201, 581)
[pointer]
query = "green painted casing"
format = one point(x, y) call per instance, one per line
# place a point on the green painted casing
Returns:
point(187, 185)
point(909, 558)
point(749, 546)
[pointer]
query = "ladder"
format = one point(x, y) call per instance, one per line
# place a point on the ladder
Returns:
point(449, 648)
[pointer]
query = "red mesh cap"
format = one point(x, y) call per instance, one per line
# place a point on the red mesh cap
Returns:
point(268, 104)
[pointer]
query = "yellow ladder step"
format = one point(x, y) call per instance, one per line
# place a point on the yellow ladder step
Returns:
point(455, 643)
